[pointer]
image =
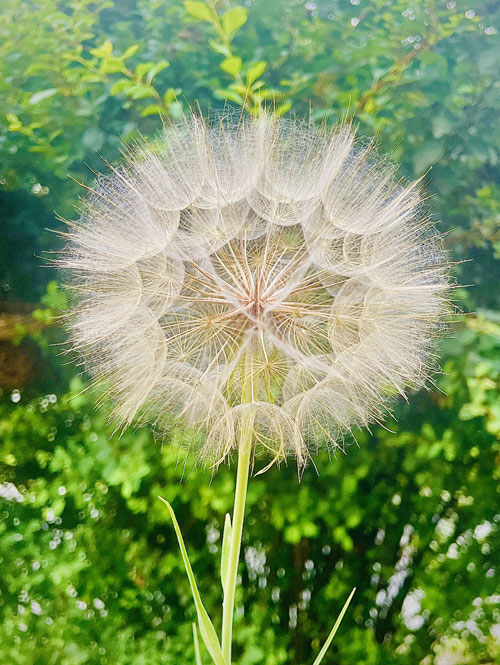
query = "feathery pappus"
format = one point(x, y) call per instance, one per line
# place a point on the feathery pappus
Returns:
point(265, 269)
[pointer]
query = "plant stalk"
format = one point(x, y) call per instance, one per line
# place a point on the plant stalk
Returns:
point(244, 454)
point(234, 550)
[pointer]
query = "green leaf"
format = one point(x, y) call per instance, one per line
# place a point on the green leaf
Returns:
point(197, 656)
point(283, 108)
point(220, 48)
point(256, 70)
point(227, 93)
point(231, 65)
point(156, 69)
point(199, 10)
point(140, 92)
point(14, 123)
point(143, 68)
point(111, 65)
point(233, 19)
point(330, 637)
point(132, 50)
point(54, 297)
point(152, 109)
point(171, 95)
point(103, 51)
point(207, 629)
point(121, 86)
point(292, 534)
point(226, 546)
point(53, 135)
point(41, 95)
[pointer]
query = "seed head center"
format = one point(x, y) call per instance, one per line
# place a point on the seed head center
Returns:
point(254, 302)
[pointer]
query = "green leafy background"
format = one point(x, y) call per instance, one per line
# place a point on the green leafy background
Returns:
point(89, 567)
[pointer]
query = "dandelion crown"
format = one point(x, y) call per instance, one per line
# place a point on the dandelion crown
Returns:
point(265, 274)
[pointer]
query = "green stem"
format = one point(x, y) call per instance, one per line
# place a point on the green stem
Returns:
point(244, 454)
point(234, 550)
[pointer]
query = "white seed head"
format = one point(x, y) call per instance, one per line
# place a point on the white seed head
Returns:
point(264, 268)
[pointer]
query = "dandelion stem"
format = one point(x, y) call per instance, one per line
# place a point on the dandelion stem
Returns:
point(244, 450)
point(234, 552)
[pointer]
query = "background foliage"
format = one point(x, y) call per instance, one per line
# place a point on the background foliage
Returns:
point(89, 567)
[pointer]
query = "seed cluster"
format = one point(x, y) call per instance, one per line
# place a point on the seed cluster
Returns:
point(264, 266)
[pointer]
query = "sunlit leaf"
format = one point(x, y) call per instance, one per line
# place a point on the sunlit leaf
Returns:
point(219, 48)
point(156, 69)
point(255, 70)
point(197, 655)
point(206, 627)
point(199, 10)
point(128, 53)
point(103, 51)
point(226, 546)
point(336, 625)
point(231, 65)
point(233, 19)
point(227, 93)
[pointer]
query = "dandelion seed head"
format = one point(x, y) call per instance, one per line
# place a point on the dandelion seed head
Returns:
point(260, 266)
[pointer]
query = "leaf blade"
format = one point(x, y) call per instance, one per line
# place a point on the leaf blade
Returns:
point(330, 637)
point(199, 10)
point(256, 70)
point(197, 655)
point(233, 19)
point(206, 626)
point(226, 546)
point(232, 65)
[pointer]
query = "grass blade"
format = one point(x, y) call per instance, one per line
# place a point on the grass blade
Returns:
point(226, 546)
point(197, 656)
point(330, 637)
point(207, 630)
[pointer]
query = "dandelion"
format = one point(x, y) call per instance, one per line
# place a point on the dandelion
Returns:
point(270, 282)
point(265, 269)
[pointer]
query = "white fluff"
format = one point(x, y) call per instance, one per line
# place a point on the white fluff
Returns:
point(266, 251)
